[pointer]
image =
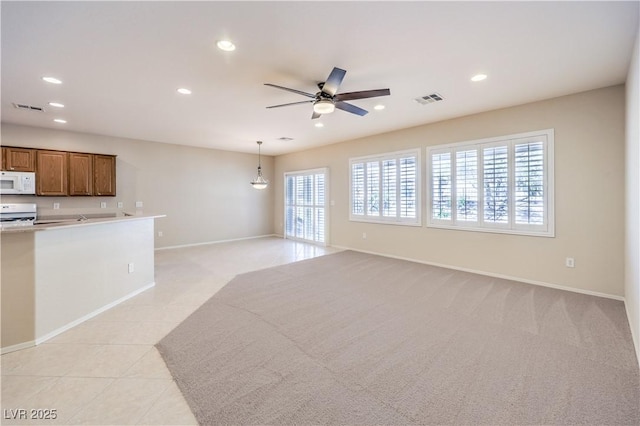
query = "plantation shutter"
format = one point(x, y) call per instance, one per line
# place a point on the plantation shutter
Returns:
point(441, 186)
point(290, 206)
point(529, 183)
point(357, 189)
point(319, 207)
point(305, 198)
point(408, 173)
point(373, 188)
point(496, 184)
point(385, 188)
point(389, 196)
point(502, 184)
point(467, 185)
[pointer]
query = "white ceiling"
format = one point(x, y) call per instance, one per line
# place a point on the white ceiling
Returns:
point(121, 63)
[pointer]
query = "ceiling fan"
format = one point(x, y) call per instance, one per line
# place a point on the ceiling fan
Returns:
point(326, 100)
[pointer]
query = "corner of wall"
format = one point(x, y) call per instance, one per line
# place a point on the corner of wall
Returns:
point(632, 195)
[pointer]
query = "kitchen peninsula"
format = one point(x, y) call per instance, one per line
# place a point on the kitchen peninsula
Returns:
point(57, 275)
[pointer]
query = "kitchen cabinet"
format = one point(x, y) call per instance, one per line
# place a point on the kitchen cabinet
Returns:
point(52, 172)
point(63, 173)
point(104, 175)
point(19, 159)
point(80, 173)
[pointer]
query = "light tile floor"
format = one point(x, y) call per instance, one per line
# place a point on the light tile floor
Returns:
point(106, 370)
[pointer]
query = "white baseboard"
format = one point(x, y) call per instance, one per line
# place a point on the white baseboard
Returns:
point(634, 337)
point(91, 314)
point(18, 347)
point(72, 324)
point(216, 242)
point(491, 274)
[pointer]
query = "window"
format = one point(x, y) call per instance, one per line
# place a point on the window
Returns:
point(500, 184)
point(305, 200)
point(386, 188)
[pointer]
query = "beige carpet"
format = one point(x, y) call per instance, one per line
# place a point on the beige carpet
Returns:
point(352, 338)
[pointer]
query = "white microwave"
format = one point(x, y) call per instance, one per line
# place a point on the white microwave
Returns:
point(22, 183)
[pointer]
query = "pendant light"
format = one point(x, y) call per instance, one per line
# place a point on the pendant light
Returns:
point(259, 182)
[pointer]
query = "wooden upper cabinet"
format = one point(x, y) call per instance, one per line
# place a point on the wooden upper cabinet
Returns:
point(104, 175)
point(19, 159)
point(80, 173)
point(62, 173)
point(52, 175)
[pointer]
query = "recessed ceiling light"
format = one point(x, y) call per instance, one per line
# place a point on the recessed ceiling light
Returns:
point(184, 91)
point(226, 45)
point(56, 104)
point(319, 125)
point(59, 120)
point(52, 80)
point(478, 77)
point(379, 107)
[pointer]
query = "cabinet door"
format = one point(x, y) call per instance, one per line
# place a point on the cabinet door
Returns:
point(20, 159)
point(104, 175)
point(51, 172)
point(4, 159)
point(80, 173)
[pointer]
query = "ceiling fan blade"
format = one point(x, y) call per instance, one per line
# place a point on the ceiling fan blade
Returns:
point(299, 92)
point(333, 81)
point(315, 115)
point(351, 108)
point(289, 104)
point(362, 94)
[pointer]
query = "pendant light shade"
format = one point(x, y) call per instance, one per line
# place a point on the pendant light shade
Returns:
point(259, 182)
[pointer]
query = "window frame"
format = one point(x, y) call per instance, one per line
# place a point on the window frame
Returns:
point(381, 158)
point(547, 229)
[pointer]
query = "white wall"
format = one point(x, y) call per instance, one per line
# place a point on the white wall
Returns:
point(632, 180)
point(205, 193)
point(589, 195)
point(81, 270)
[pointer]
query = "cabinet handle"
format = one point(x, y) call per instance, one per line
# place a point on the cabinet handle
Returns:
point(12, 168)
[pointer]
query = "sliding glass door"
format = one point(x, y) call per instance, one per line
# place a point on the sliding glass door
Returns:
point(305, 205)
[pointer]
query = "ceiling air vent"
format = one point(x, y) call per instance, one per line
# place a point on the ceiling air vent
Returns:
point(28, 107)
point(285, 139)
point(429, 99)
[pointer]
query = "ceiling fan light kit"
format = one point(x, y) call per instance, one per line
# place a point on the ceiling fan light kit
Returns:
point(259, 182)
point(324, 106)
point(327, 99)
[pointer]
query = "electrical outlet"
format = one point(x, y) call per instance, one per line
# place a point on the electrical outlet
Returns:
point(103, 205)
point(56, 206)
point(138, 204)
point(364, 235)
point(130, 268)
point(570, 262)
point(160, 234)
point(120, 204)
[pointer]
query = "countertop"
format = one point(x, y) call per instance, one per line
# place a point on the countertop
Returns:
point(63, 223)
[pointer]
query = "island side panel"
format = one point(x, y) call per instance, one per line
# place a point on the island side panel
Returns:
point(81, 271)
point(18, 290)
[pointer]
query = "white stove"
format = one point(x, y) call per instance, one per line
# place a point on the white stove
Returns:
point(12, 215)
